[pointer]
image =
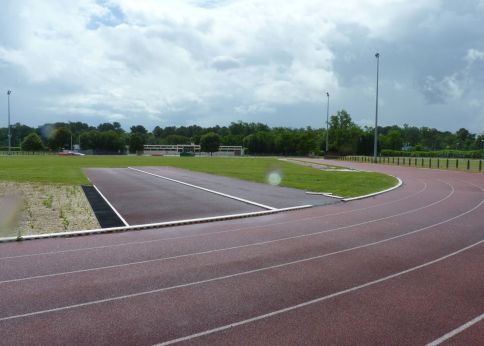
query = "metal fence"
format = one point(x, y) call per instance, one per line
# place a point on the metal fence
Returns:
point(470, 165)
point(26, 153)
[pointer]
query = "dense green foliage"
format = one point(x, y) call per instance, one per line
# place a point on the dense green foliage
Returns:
point(32, 142)
point(345, 137)
point(68, 170)
point(210, 142)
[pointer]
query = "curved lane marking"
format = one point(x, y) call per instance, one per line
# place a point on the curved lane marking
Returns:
point(456, 331)
point(225, 249)
point(255, 270)
point(127, 296)
point(425, 186)
point(317, 300)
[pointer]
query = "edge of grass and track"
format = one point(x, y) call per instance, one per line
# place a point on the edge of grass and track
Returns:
point(68, 171)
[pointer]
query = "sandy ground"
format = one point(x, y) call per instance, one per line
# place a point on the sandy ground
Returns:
point(34, 208)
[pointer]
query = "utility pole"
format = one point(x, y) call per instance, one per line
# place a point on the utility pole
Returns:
point(327, 125)
point(375, 144)
point(9, 133)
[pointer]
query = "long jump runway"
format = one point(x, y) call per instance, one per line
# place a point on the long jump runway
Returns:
point(402, 268)
point(145, 195)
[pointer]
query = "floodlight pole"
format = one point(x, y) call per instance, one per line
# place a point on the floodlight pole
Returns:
point(327, 125)
point(375, 144)
point(9, 133)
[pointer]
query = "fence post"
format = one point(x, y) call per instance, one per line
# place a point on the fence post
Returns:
point(430, 162)
point(456, 163)
point(468, 164)
point(438, 163)
point(480, 165)
point(398, 161)
point(422, 161)
point(447, 164)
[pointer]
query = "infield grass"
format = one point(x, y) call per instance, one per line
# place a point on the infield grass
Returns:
point(68, 170)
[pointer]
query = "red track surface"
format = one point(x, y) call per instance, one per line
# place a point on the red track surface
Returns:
point(401, 268)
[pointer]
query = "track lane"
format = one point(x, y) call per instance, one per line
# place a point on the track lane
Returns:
point(57, 246)
point(190, 267)
point(183, 248)
point(148, 315)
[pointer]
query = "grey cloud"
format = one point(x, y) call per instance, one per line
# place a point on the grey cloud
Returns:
point(225, 63)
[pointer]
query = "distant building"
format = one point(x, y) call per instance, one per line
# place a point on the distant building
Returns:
point(176, 149)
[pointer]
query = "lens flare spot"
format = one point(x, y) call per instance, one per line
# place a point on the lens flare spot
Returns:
point(274, 178)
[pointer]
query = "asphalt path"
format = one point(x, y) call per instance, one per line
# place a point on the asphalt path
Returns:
point(404, 267)
point(145, 195)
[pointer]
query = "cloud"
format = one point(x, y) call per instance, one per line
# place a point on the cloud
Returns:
point(173, 62)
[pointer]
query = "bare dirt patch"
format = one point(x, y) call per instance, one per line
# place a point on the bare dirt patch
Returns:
point(36, 208)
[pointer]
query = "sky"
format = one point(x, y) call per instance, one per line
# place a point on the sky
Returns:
point(212, 62)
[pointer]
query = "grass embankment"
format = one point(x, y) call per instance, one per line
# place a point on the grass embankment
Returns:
point(68, 170)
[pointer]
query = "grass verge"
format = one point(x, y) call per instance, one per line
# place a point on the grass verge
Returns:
point(68, 170)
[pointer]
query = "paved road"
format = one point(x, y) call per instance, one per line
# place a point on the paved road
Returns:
point(401, 268)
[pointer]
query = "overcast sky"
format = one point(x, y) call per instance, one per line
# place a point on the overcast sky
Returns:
point(209, 62)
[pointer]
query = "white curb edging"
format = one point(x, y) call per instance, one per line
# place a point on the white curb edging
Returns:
point(152, 225)
point(400, 183)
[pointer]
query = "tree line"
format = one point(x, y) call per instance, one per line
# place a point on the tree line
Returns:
point(345, 137)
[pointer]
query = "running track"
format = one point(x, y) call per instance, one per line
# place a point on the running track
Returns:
point(405, 267)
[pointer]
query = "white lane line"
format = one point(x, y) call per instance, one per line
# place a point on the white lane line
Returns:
point(248, 245)
point(207, 190)
point(277, 312)
point(315, 301)
point(214, 233)
point(111, 206)
point(255, 270)
point(456, 331)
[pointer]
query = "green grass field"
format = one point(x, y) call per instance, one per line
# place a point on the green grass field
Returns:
point(68, 170)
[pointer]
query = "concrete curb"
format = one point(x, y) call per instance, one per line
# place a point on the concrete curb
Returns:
point(400, 183)
point(151, 225)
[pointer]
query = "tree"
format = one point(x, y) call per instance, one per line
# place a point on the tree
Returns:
point(392, 140)
point(32, 142)
point(60, 138)
point(138, 129)
point(344, 135)
point(210, 142)
point(136, 142)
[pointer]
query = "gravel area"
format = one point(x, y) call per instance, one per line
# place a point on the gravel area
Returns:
point(35, 208)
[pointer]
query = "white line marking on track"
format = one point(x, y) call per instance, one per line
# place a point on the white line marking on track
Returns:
point(317, 300)
point(248, 245)
point(231, 275)
point(213, 233)
point(207, 190)
point(111, 206)
point(456, 331)
point(69, 307)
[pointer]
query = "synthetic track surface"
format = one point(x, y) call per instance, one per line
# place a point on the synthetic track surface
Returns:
point(401, 268)
point(144, 195)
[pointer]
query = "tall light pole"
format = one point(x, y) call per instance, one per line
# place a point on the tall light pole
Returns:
point(9, 134)
point(375, 144)
point(327, 124)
